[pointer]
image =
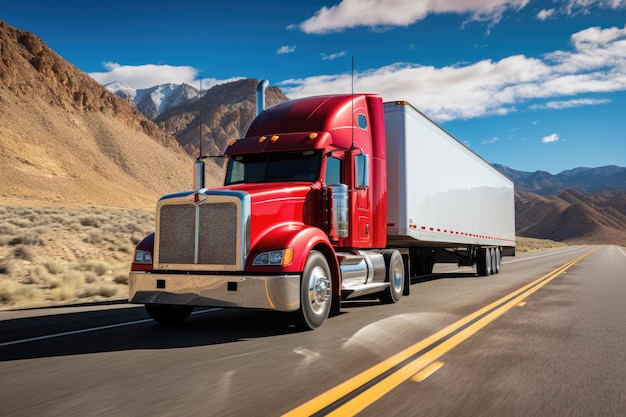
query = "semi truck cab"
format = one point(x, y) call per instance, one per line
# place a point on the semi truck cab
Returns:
point(298, 225)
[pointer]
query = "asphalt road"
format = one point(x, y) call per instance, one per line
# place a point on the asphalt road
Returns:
point(545, 337)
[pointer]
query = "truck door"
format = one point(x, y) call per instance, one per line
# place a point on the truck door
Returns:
point(362, 213)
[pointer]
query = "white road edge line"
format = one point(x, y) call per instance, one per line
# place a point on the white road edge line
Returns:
point(92, 329)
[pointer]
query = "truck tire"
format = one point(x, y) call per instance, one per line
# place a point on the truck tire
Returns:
point(168, 314)
point(315, 292)
point(492, 254)
point(498, 260)
point(394, 276)
point(483, 262)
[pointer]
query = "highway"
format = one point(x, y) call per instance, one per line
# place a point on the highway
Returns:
point(544, 337)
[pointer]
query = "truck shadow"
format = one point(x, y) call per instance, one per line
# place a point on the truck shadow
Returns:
point(54, 333)
point(442, 275)
point(130, 328)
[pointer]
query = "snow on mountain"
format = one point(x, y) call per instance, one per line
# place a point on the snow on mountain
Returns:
point(121, 89)
point(153, 101)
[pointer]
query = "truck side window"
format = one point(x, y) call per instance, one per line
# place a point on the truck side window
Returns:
point(333, 171)
point(362, 121)
point(361, 171)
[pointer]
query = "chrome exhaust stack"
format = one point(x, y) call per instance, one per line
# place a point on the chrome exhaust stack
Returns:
point(260, 95)
point(198, 174)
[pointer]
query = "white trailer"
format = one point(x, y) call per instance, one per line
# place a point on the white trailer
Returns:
point(443, 197)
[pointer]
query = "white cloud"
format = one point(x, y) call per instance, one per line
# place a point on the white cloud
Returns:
point(596, 64)
point(490, 141)
point(381, 13)
point(567, 104)
point(550, 138)
point(545, 14)
point(287, 49)
point(145, 76)
point(330, 57)
point(583, 6)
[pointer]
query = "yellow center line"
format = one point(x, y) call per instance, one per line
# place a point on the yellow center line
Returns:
point(357, 393)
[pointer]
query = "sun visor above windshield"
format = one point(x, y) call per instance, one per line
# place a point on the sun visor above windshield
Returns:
point(274, 143)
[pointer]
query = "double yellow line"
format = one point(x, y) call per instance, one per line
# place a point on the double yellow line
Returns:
point(357, 393)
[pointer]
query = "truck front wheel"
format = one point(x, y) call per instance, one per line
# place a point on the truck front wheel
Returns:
point(394, 276)
point(315, 292)
point(168, 314)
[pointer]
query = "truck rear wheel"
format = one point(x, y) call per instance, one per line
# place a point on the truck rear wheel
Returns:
point(483, 262)
point(498, 260)
point(394, 276)
point(315, 292)
point(168, 314)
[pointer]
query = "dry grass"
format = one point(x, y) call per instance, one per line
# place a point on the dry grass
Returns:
point(529, 244)
point(51, 255)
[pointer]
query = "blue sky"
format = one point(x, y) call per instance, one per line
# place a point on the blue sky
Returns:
point(534, 85)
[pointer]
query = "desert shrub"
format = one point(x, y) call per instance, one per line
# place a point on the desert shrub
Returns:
point(26, 237)
point(12, 292)
point(90, 277)
point(39, 275)
point(92, 220)
point(54, 267)
point(93, 236)
point(63, 293)
point(121, 277)
point(20, 222)
point(97, 266)
point(73, 278)
point(102, 290)
point(8, 229)
point(23, 252)
point(5, 266)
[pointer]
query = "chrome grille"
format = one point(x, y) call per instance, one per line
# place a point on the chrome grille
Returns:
point(206, 234)
point(218, 231)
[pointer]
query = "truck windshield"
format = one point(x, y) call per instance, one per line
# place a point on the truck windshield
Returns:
point(274, 167)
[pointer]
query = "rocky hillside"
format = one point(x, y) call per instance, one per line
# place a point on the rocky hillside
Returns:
point(66, 140)
point(572, 217)
point(226, 110)
point(587, 180)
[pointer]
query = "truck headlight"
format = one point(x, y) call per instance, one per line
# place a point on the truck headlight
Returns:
point(276, 257)
point(142, 257)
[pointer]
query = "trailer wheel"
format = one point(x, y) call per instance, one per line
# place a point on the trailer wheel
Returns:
point(315, 292)
point(394, 276)
point(483, 262)
point(498, 260)
point(168, 314)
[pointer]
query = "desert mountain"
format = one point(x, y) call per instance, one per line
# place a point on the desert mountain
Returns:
point(66, 140)
point(587, 180)
point(153, 101)
point(572, 217)
point(227, 111)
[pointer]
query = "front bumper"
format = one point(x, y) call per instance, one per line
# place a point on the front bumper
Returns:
point(280, 293)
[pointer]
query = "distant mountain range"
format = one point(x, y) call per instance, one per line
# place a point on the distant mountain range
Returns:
point(154, 101)
point(587, 180)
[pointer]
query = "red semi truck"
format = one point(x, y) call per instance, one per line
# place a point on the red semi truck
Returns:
point(325, 198)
